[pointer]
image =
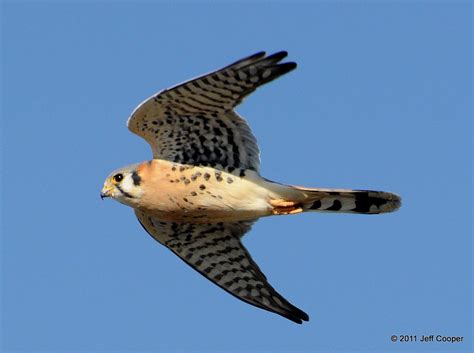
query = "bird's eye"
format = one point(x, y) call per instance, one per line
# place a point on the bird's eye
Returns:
point(118, 177)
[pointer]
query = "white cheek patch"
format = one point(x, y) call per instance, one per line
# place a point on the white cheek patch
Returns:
point(130, 186)
point(127, 192)
point(127, 185)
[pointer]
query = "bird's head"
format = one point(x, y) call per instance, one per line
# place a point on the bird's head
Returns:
point(123, 185)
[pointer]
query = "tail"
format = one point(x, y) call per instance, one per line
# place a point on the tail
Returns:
point(336, 200)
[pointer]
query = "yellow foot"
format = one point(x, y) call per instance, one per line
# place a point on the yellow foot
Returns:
point(281, 207)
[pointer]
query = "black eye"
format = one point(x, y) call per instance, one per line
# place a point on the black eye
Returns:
point(118, 177)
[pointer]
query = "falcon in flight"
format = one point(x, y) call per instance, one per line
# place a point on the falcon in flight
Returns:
point(202, 191)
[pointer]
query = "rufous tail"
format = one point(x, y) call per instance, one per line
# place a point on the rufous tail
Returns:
point(337, 200)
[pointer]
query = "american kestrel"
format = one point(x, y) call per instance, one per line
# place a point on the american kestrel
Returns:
point(202, 191)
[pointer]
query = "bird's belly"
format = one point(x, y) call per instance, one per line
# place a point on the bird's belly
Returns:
point(203, 195)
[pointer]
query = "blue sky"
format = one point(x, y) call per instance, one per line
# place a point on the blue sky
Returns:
point(381, 99)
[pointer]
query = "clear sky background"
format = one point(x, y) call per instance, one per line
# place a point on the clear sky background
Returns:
point(381, 100)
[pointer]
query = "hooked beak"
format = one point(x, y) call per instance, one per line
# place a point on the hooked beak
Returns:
point(106, 192)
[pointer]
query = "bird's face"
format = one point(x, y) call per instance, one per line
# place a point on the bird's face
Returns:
point(123, 185)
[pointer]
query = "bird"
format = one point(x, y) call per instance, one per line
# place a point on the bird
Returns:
point(202, 190)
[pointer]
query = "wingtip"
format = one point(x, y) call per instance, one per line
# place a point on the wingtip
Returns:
point(284, 68)
point(292, 65)
point(281, 53)
point(295, 314)
point(248, 59)
point(278, 56)
point(302, 316)
point(258, 55)
point(298, 318)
